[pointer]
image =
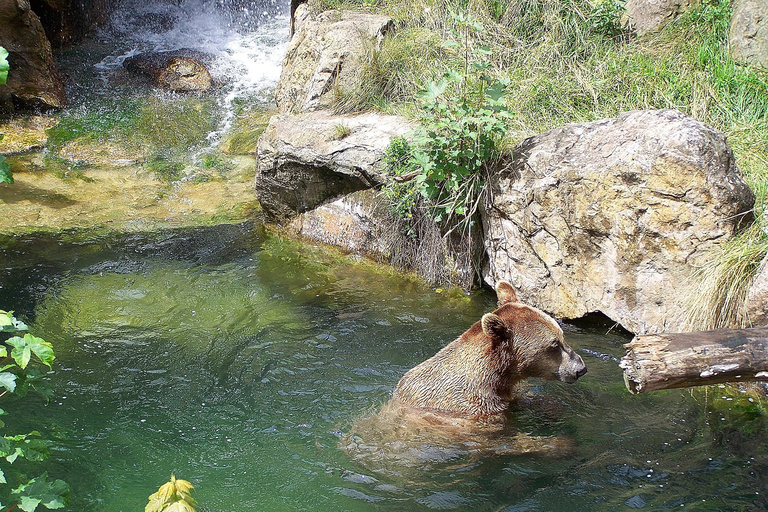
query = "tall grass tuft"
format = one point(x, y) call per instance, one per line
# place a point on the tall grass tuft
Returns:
point(720, 286)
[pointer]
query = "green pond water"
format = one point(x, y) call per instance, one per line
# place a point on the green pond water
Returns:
point(240, 361)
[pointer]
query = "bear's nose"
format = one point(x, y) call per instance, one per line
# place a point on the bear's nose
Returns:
point(581, 371)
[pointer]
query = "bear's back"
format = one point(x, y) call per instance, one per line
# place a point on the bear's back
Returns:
point(461, 379)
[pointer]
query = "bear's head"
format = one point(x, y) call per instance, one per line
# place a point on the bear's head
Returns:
point(533, 340)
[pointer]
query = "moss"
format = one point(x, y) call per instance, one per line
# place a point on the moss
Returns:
point(248, 125)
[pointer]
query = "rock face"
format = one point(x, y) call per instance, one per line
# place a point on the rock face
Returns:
point(324, 55)
point(309, 159)
point(318, 176)
point(360, 222)
point(757, 298)
point(647, 16)
point(613, 216)
point(33, 80)
point(178, 70)
point(749, 32)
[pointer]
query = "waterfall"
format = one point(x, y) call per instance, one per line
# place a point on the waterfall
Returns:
point(246, 40)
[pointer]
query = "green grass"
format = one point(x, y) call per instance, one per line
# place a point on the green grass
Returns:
point(570, 61)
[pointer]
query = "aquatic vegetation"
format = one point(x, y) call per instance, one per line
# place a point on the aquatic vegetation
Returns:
point(113, 302)
point(20, 372)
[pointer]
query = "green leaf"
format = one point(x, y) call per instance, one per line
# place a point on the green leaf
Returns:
point(8, 323)
point(433, 90)
point(8, 381)
point(4, 66)
point(39, 490)
point(21, 352)
point(23, 348)
point(6, 176)
point(496, 91)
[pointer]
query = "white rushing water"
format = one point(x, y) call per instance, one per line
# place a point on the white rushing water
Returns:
point(246, 40)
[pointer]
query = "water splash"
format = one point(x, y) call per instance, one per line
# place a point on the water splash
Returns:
point(245, 40)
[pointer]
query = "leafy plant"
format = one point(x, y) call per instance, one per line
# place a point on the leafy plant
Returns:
point(451, 155)
point(5, 167)
point(173, 496)
point(20, 371)
point(4, 66)
point(606, 18)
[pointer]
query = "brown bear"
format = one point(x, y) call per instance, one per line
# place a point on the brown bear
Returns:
point(473, 377)
point(453, 404)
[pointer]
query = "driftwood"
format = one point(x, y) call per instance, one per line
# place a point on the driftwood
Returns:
point(664, 361)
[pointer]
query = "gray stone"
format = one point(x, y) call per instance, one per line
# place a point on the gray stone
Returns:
point(613, 216)
point(648, 16)
point(324, 55)
point(361, 223)
point(749, 32)
point(306, 160)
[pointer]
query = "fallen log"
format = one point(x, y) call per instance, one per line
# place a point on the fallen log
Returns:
point(679, 360)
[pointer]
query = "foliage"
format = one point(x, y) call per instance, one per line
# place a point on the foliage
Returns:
point(173, 496)
point(451, 155)
point(19, 372)
point(5, 167)
point(606, 19)
point(341, 130)
point(4, 66)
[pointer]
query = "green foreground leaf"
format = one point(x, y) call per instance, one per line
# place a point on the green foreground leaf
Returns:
point(39, 491)
point(4, 66)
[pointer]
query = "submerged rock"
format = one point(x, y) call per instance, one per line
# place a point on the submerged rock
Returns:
point(613, 216)
point(25, 134)
point(178, 70)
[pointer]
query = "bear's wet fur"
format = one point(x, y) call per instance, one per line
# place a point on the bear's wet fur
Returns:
point(454, 403)
point(474, 376)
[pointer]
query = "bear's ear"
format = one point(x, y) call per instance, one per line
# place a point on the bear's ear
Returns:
point(505, 293)
point(494, 326)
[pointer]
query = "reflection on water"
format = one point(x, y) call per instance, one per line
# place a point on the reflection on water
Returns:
point(239, 362)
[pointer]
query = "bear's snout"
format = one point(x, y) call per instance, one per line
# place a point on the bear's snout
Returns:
point(572, 368)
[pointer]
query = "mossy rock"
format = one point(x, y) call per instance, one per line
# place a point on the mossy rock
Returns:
point(25, 134)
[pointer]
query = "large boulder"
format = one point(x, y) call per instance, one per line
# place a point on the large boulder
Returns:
point(613, 216)
point(33, 80)
point(749, 32)
point(324, 56)
point(306, 160)
point(648, 16)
